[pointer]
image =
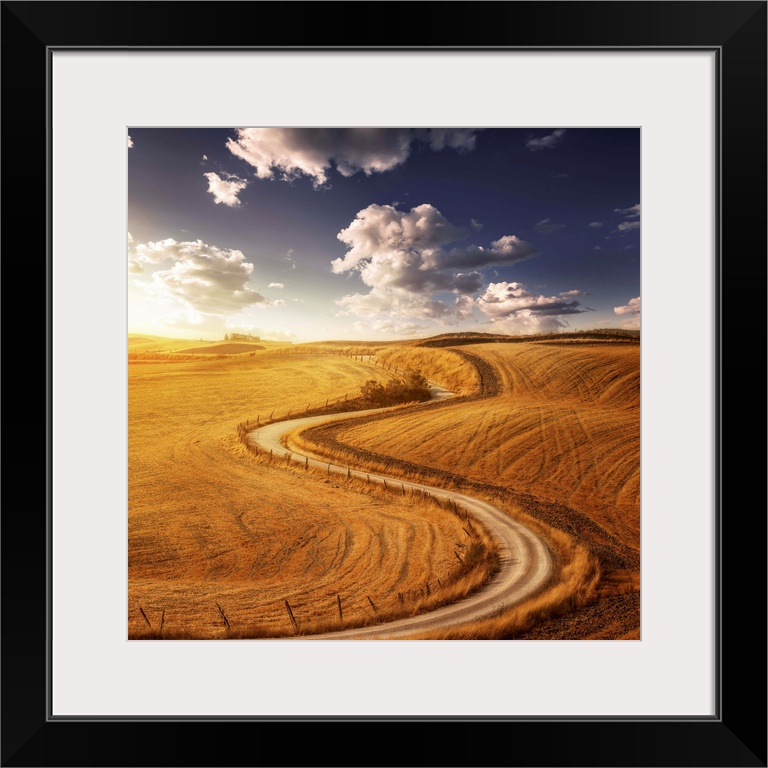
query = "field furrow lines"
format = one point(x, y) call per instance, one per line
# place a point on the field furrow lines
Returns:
point(544, 432)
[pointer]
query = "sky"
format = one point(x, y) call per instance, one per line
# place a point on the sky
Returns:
point(311, 234)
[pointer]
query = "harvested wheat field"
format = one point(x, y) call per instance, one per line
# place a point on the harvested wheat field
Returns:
point(219, 540)
point(552, 431)
point(229, 541)
point(564, 426)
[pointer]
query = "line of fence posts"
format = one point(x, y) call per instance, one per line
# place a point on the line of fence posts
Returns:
point(244, 427)
point(401, 598)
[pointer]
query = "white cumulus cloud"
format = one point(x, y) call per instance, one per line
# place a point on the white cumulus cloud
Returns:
point(465, 307)
point(386, 328)
point(404, 258)
point(525, 323)
point(200, 279)
point(289, 153)
point(225, 190)
point(631, 308)
point(509, 300)
point(406, 249)
point(130, 142)
point(631, 311)
point(396, 305)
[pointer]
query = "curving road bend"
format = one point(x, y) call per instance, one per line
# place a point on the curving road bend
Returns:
point(525, 560)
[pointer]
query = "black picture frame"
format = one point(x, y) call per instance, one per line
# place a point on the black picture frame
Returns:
point(736, 736)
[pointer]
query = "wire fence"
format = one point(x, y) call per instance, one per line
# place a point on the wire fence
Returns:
point(329, 405)
point(302, 617)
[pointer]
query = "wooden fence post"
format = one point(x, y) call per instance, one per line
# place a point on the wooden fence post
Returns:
point(223, 616)
point(293, 619)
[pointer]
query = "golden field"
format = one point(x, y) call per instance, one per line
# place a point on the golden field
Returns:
point(219, 538)
point(564, 427)
point(555, 435)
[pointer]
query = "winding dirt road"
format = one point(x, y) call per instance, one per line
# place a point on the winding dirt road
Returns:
point(525, 560)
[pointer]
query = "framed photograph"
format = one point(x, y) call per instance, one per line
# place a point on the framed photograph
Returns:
point(421, 328)
point(643, 104)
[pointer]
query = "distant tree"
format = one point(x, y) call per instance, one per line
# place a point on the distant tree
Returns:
point(226, 337)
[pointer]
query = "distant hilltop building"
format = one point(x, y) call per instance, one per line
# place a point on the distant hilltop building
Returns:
point(240, 337)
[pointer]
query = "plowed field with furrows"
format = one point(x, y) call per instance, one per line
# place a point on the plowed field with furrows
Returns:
point(563, 426)
point(552, 433)
point(216, 536)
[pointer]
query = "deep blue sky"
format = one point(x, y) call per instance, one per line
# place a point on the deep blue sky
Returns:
point(501, 230)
